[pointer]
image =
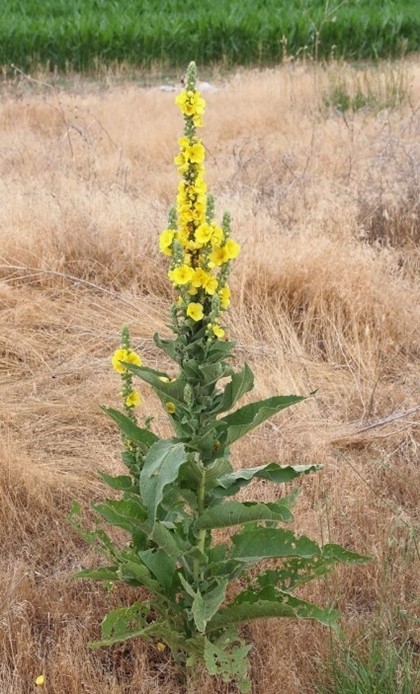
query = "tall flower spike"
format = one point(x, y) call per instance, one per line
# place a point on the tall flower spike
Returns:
point(131, 397)
point(200, 250)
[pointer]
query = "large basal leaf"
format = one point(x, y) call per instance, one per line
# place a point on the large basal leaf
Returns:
point(296, 571)
point(205, 606)
point(250, 416)
point(240, 383)
point(227, 656)
point(162, 464)
point(249, 606)
point(126, 623)
point(130, 429)
point(254, 545)
point(235, 513)
point(232, 482)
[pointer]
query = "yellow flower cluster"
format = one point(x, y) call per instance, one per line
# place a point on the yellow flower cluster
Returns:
point(132, 398)
point(192, 104)
point(126, 355)
point(199, 249)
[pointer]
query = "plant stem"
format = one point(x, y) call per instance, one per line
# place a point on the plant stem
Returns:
point(202, 533)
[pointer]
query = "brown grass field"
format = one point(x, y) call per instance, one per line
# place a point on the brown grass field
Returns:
point(326, 296)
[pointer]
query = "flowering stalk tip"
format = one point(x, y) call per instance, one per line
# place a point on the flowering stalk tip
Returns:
point(200, 250)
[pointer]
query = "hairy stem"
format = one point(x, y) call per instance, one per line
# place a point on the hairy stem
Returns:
point(202, 533)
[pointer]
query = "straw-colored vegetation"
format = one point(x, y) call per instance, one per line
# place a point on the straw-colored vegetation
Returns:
point(326, 296)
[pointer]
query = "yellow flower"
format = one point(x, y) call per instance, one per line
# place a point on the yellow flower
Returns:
point(40, 681)
point(191, 103)
point(170, 407)
point(165, 241)
point(198, 211)
point(134, 399)
point(217, 330)
point(211, 285)
point(199, 277)
point(196, 153)
point(203, 233)
point(195, 311)
point(232, 249)
point(224, 294)
point(160, 647)
point(218, 256)
point(134, 358)
point(182, 274)
point(119, 355)
point(124, 355)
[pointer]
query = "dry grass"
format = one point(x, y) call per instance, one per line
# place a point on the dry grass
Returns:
point(326, 296)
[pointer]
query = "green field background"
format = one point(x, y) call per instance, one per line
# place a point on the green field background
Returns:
point(77, 34)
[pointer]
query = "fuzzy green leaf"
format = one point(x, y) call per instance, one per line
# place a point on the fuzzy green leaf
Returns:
point(161, 564)
point(234, 513)
point(251, 605)
point(168, 541)
point(296, 571)
point(133, 572)
point(129, 514)
point(337, 553)
point(161, 468)
point(123, 483)
point(171, 391)
point(254, 545)
point(167, 346)
point(227, 656)
point(106, 573)
point(212, 372)
point(240, 383)
point(219, 350)
point(250, 416)
point(126, 623)
point(231, 483)
point(130, 429)
point(206, 605)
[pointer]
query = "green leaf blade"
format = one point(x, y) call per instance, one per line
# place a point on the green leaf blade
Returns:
point(232, 482)
point(267, 604)
point(162, 464)
point(235, 513)
point(130, 429)
point(250, 416)
point(205, 606)
point(255, 545)
point(241, 382)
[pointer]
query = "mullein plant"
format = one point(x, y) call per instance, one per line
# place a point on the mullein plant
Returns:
point(192, 590)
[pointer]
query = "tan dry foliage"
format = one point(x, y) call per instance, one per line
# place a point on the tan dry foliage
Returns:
point(326, 296)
